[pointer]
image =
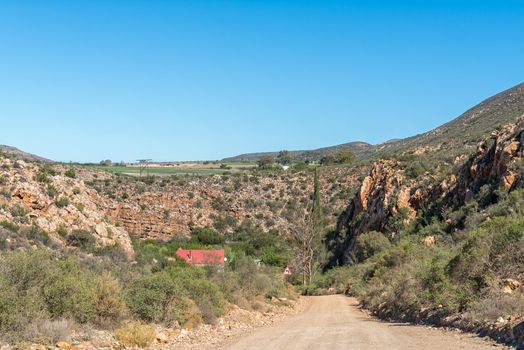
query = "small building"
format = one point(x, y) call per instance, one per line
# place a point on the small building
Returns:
point(202, 257)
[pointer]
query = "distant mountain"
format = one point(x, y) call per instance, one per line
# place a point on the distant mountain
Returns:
point(460, 134)
point(18, 154)
point(359, 148)
point(469, 128)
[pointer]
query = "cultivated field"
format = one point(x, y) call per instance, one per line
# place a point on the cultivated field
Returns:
point(195, 168)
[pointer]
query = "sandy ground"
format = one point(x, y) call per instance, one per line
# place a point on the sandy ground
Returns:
point(335, 322)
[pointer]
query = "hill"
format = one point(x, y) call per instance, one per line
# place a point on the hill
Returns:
point(18, 154)
point(469, 128)
point(461, 134)
point(357, 147)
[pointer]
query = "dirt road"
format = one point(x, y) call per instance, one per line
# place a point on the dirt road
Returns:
point(335, 322)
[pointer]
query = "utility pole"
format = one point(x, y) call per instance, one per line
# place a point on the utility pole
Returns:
point(143, 164)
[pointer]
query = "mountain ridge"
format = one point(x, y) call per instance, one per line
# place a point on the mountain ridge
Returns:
point(468, 128)
point(19, 154)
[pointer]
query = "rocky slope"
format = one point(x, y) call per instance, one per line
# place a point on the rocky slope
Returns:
point(171, 207)
point(463, 133)
point(33, 194)
point(357, 147)
point(390, 195)
point(15, 153)
point(457, 137)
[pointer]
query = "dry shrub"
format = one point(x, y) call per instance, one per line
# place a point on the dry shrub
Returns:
point(47, 331)
point(206, 309)
point(177, 311)
point(496, 304)
point(257, 305)
point(191, 316)
point(110, 307)
point(239, 300)
point(136, 334)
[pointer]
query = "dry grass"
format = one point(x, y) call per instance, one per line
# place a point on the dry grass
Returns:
point(136, 334)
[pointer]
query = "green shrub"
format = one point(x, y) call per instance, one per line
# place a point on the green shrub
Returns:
point(35, 285)
point(69, 292)
point(150, 296)
point(206, 236)
point(81, 239)
point(35, 233)
point(371, 243)
point(206, 295)
point(70, 173)
point(11, 226)
point(62, 202)
point(52, 191)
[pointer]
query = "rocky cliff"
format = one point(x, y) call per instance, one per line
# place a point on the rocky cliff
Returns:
point(55, 203)
point(173, 206)
point(390, 194)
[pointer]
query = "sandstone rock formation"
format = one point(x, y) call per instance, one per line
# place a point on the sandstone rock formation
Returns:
point(30, 197)
point(387, 194)
point(173, 206)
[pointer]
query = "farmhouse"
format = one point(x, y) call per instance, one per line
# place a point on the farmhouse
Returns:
point(202, 257)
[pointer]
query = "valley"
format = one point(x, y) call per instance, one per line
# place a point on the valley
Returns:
point(426, 229)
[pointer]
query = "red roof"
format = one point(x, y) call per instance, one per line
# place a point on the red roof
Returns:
point(202, 257)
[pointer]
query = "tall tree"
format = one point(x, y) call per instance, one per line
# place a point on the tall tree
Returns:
point(307, 233)
point(344, 156)
point(284, 157)
point(265, 162)
point(317, 207)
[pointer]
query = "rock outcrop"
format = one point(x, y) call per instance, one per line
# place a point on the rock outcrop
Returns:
point(173, 206)
point(55, 202)
point(387, 194)
point(495, 162)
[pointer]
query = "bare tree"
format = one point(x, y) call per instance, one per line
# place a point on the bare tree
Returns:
point(304, 232)
point(307, 232)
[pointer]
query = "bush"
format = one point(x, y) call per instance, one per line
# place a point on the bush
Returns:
point(11, 226)
point(136, 334)
point(206, 295)
point(81, 239)
point(109, 304)
point(371, 243)
point(206, 236)
point(35, 286)
point(69, 292)
point(70, 173)
point(62, 202)
point(35, 233)
point(149, 297)
point(49, 331)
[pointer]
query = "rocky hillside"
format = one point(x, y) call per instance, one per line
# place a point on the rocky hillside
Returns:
point(52, 201)
point(458, 137)
point(163, 208)
point(461, 135)
point(357, 147)
point(15, 153)
point(391, 195)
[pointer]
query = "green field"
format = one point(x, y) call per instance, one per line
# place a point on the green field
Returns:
point(169, 171)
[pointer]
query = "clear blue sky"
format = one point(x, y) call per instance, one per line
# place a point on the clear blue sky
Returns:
point(183, 80)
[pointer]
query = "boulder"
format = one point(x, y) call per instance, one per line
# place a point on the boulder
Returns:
point(509, 285)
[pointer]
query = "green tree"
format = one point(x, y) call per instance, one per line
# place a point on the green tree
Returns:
point(265, 162)
point(344, 156)
point(328, 160)
point(284, 157)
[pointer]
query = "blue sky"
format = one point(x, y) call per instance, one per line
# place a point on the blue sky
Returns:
point(184, 80)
